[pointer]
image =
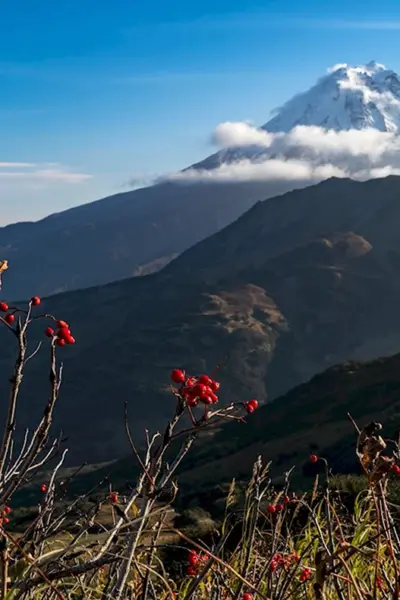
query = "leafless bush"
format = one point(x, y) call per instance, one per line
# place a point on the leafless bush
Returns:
point(47, 558)
point(273, 544)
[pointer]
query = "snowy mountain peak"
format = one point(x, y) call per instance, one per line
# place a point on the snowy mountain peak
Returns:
point(348, 97)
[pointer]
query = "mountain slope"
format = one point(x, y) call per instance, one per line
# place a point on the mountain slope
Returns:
point(137, 232)
point(310, 418)
point(272, 314)
point(286, 222)
point(119, 236)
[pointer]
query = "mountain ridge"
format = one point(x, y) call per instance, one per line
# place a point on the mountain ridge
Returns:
point(271, 315)
point(135, 232)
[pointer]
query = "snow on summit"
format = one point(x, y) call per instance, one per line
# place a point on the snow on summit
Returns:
point(348, 97)
point(346, 125)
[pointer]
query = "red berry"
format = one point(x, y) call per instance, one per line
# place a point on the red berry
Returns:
point(191, 381)
point(49, 332)
point(206, 399)
point(191, 570)
point(192, 402)
point(63, 332)
point(205, 379)
point(61, 324)
point(279, 559)
point(60, 342)
point(177, 376)
point(3, 306)
point(294, 556)
point(314, 458)
point(70, 339)
point(9, 319)
point(114, 497)
point(35, 300)
point(279, 507)
point(193, 558)
point(247, 597)
point(199, 389)
point(271, 508)
point(306, 574)
point(43, 488)
point(213, 397)
point(286, 500)
point(215, 385)
point(7, 510)
point(6, 520)
point(249, 407)
point(253, 403)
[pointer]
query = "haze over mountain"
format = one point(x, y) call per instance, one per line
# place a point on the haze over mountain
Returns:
point(298, 283)
point(345, 126)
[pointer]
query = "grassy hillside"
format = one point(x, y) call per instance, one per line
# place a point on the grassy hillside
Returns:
point(285, 292)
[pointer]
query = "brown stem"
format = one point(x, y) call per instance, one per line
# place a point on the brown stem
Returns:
point(41, 434)
point(16, 380)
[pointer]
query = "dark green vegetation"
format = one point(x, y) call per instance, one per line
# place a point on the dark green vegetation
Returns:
point(297, 284)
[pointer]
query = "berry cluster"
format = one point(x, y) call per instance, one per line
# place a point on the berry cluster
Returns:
point(62, 334)
point(202, 390)
point(4, 519)
point(380, 585)
point(10, 317)
point(251, 406)
point(195, 561)
point(305, 574)
point(280, 561)
point(196, 390)
point(281, 505)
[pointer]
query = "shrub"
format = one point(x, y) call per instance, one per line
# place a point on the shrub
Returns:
point(126, 544)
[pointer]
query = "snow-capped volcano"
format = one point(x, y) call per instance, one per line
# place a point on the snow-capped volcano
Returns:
point(346, 98)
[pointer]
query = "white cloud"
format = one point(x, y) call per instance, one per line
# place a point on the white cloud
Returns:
point(271, 170)
point(21, 172)
point(304, 154)
point(16, 165)
point(230, 134)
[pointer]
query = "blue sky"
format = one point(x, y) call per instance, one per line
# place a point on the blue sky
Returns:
point(95, 93)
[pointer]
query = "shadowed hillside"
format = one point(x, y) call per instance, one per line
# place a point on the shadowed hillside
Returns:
point(270, 313)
